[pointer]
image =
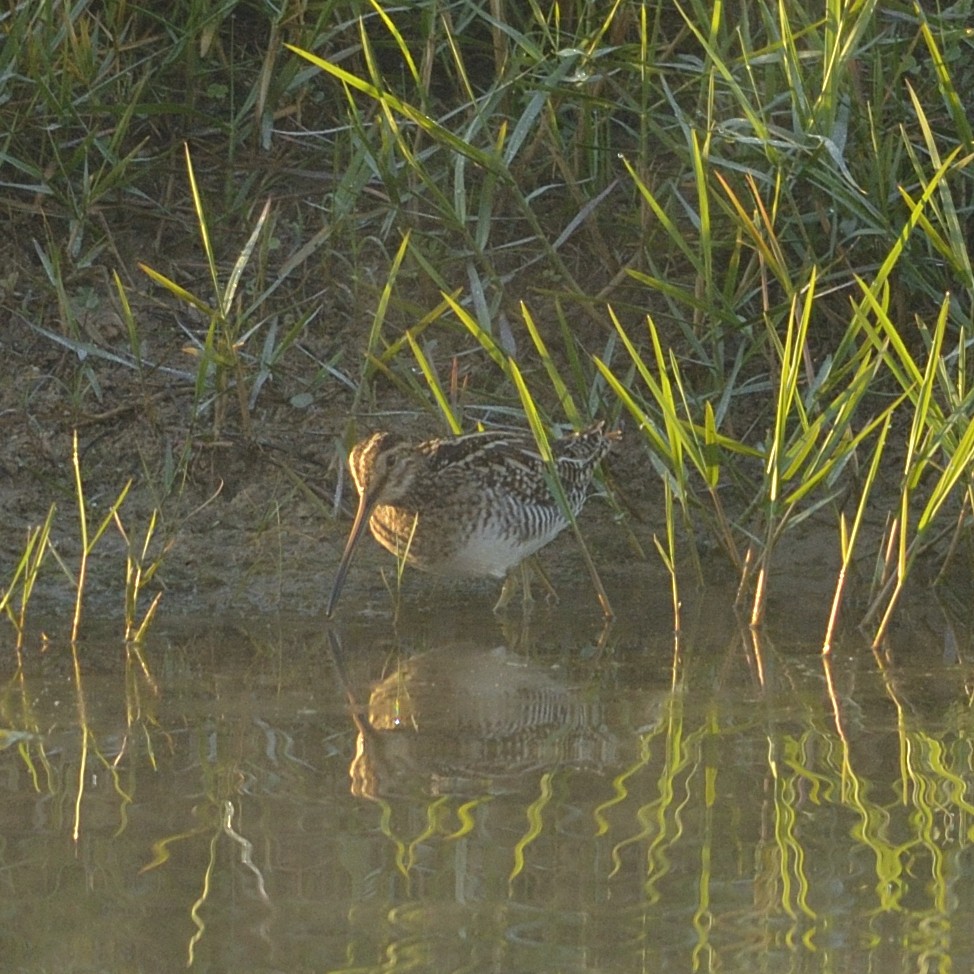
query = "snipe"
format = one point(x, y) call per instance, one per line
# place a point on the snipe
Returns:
point(474, 505)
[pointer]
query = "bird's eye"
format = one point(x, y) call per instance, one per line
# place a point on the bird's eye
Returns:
point(387, 464)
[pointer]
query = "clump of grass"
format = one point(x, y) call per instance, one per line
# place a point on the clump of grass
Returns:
point(141, 566)
point(938, 461)
point(16, 596)
point(824, 410)
point(228, 324)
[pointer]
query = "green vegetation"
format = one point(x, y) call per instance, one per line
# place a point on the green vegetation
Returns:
point(140, 566)
point(745, 226)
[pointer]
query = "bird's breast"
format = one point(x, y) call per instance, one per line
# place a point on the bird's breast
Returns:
point(487, 543)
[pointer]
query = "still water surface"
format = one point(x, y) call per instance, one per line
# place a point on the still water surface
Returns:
point(444, 795)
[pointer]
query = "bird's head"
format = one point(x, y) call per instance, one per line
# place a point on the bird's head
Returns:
point(385, 467)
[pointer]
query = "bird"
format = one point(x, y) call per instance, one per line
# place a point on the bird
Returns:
point(477, 504)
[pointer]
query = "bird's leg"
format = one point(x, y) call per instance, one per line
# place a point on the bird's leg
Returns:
point(527, 599)
point(551, 596)
point(521, 575)
point(507, 590)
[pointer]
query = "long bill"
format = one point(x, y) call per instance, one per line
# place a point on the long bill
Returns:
point(362, 515)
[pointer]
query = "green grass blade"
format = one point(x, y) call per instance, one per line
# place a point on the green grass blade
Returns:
point(446, 410)
point(391, 102)
point(180, 292)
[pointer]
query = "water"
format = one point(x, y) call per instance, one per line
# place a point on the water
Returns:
point(444, 795)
